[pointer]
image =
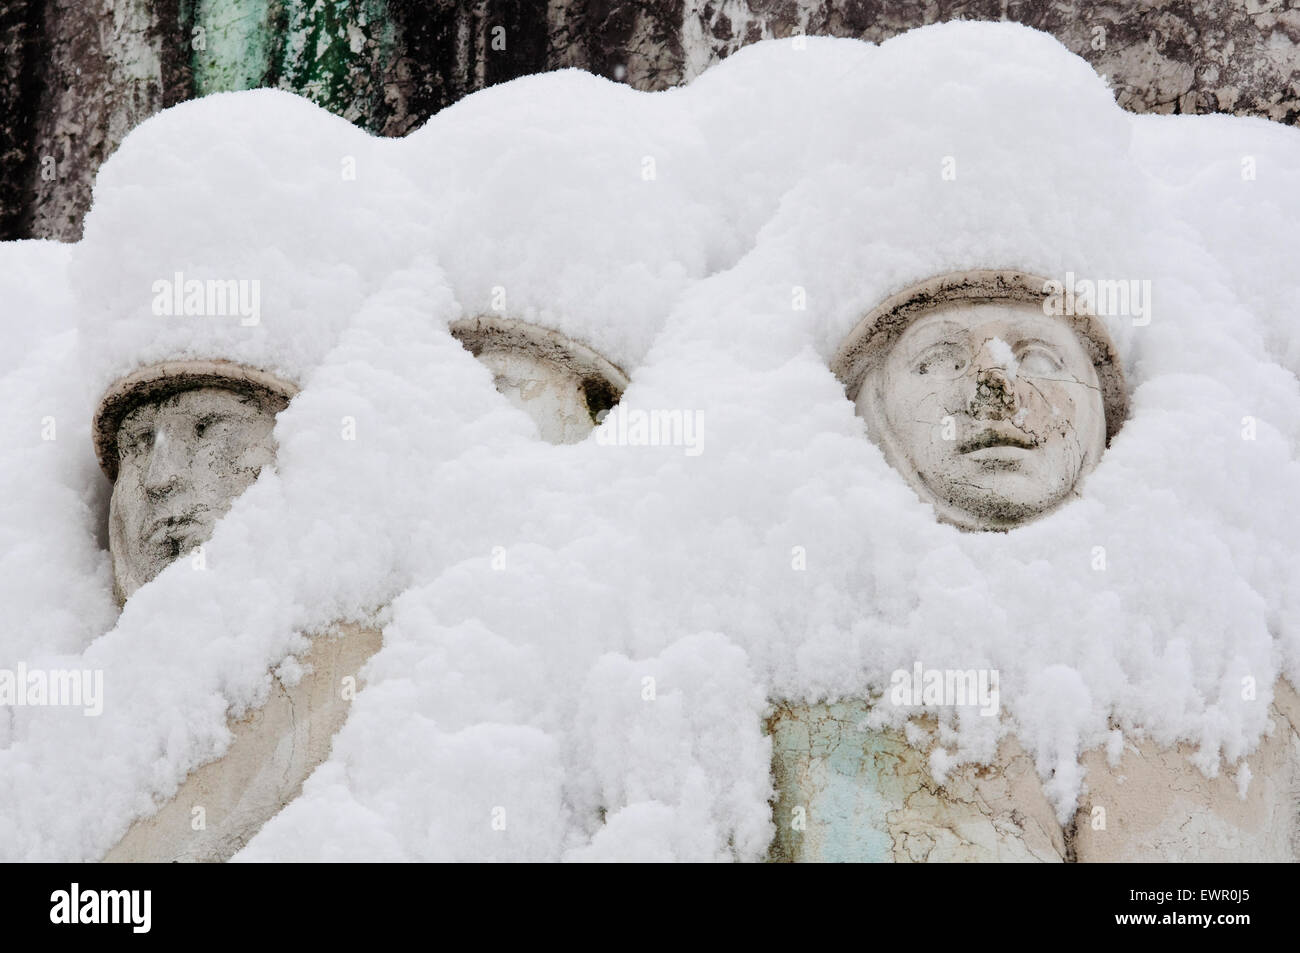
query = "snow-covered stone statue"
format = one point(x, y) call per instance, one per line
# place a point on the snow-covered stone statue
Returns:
point(561, 384)
point(180, 441)
point(992, 408)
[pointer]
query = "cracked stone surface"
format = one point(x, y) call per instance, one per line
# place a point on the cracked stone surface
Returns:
point(844, 793)
point(991, 411)
point(869, 796)
point(273, 751)
point(1158, 807)
point(77, 77)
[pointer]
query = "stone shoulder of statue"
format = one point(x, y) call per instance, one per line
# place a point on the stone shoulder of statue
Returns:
point(181, 441)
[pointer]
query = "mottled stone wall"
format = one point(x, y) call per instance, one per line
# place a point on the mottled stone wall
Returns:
point(103, 69)
point(1165, 56)
point(79, 75)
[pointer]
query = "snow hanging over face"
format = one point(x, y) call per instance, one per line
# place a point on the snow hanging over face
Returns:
point(583, 641)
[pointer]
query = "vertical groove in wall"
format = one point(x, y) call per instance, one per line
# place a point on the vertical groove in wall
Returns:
point(174, 25)
point(22, 49)
point(446, 50)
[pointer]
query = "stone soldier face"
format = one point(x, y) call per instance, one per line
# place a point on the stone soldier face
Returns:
point(553, 396)
point(560, 383)
point(992, 410)
point(182, 461)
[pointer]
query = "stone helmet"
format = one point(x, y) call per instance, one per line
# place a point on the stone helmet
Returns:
point(165, 378)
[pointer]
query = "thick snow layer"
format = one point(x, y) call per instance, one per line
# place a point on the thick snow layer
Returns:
point(581, 641)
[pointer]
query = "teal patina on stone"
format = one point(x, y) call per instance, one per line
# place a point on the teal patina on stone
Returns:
point(845, 793)
point(237, 45)
point(841, 776)
point(333, 52)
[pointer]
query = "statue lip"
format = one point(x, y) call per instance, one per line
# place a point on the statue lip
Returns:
point(168, 526)
point(997, 437)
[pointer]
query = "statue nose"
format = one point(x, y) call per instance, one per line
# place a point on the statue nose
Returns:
point(167, 465)
point(995, 392)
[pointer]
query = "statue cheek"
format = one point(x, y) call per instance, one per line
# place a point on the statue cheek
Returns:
point(947, 397)
point(1046, 406)
point(210, 473)
point(129, 498)
point(1082, 418)
point(900, 424)
point(250, 461)
point(924, 445)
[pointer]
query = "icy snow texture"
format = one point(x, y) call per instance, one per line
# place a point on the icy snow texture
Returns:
point(580, 641)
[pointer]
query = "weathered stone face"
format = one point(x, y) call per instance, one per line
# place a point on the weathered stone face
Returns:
point(182, 461)
point(550, 394)
point(562, 384)
point(992, 411)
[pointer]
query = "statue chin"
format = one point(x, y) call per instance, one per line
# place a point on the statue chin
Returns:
point(992, 511)
point(997, 499)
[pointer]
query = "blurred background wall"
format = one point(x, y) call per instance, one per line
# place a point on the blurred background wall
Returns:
point(79, 74)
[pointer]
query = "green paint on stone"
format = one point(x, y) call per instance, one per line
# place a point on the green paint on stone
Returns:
point(237, 39)
point(334, 53)
point(846, 779)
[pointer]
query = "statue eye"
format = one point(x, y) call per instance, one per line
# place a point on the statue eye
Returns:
point(202, 425)
point(1039, 359)
point(944, 360)
point(135, 441)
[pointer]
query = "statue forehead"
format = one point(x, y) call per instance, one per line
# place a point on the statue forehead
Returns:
point(198, 400)
point(971, 319)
